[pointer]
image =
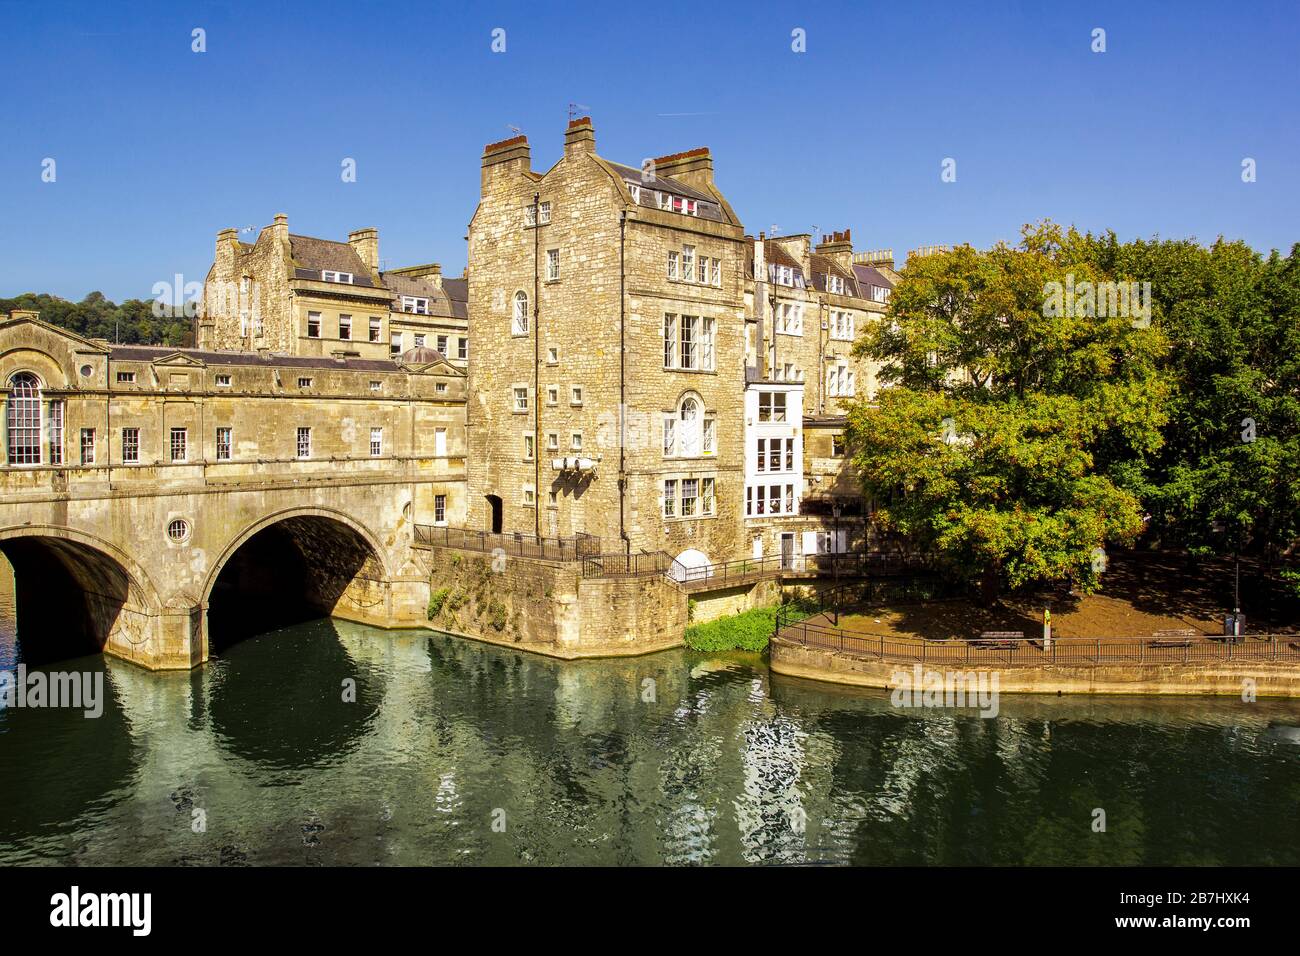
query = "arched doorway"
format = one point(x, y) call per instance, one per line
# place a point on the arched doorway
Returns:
point(72, 595)
point(691, 565)
point(495, 513)
point(290, 569)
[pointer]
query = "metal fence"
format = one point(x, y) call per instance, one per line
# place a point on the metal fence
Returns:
point(517, 544)
point(1030, 652)
point(643, 564)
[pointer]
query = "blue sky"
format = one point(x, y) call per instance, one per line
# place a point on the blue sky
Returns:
point(158, 147)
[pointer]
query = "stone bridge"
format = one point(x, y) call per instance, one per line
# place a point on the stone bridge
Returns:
point(153, 500)
point(111, 570)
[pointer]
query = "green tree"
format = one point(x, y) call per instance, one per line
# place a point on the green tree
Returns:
point(1225, 477)
point(1010, 440)
point(131, 323)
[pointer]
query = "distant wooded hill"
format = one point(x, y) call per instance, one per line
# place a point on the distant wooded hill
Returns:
point(96, 317)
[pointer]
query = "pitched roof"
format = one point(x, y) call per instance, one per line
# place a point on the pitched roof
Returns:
point(153, 353)
point(327, 255)
point(709, 208)
point(451, 301)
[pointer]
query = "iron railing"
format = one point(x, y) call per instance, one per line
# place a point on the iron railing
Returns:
point(745, 570)
point(516, 544)
point(1030, 652)
point(642, 564)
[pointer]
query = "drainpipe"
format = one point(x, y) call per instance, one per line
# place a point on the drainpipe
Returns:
point(537, 371)
point(622, 381)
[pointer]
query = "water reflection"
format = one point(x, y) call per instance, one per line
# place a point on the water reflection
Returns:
point(671, 758)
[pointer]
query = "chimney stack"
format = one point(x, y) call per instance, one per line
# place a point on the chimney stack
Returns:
point(838, 247)
point(508, 156)
point(366, 244)
point(580, 137)
point(693, 167)
point(281, 227)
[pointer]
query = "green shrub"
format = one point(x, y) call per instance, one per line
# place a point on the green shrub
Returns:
point(747, 631)
point(498, 612)
point(436, 601)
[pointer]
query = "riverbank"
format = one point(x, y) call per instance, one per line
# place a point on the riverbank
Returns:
point(1122, 672)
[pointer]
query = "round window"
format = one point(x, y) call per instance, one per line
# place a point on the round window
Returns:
point(87, 371)
point(178, 530)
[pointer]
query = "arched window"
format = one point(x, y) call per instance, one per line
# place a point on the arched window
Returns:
point(521, 313)
point(688, 431)
point(24, 419)
point(688, 412)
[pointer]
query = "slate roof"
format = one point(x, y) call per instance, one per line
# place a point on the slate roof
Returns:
point(315, 255)
point(152, 353)
point(708, 208)
point(448, 302)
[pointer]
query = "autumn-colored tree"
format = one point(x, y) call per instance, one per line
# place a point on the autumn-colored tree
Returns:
point(1014, 421)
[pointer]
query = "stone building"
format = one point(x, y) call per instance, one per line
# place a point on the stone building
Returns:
point(303, 296)
point(613, 299)
point(807, 305)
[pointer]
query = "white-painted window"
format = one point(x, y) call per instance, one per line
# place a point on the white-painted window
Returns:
point(771, 406)
point(439, 509)
point(56, 432)
point(303, 445)
point(223, 381)
point(130, 445)
point(376, 442)
point(521, 313)
point(376, 329)
point(225, 443)
point(344, 277)
point(87, 446)
point(24, 419)
point(417, 305)
point(345, 327)
point(313, 325)
point(179, 444)
point(552, 264)
point(521, 398)
point(673, 259)
point(670, 498)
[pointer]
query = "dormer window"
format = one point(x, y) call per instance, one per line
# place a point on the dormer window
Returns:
point(834, 284)
point(635, 192)
point(344, 277)
point(415, 304)
point(783, 275)
point(665, 200)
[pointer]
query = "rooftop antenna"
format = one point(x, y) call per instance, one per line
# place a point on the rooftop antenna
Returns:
point(817, 231)
point(574, 108)
point(773, 230)
point(515, 129)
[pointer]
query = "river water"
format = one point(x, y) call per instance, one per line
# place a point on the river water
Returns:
point(455, 752)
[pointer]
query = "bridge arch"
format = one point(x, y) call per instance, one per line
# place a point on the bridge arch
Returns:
point(77, 594)
point(291, 566)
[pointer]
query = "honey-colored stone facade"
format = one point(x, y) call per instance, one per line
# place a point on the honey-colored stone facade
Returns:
point(596, 325)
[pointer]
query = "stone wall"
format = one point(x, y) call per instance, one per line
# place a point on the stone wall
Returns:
point(1217, 678)
point(549, 608)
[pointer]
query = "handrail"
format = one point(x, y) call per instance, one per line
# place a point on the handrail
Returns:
point(743, 570)
point(1031, 652)
point(518, 544)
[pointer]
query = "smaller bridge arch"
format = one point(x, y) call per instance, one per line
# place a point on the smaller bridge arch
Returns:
point(79, 594)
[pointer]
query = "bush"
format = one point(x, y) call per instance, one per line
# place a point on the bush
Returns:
point(498, 612)
point(436, 601)
point(747, 631)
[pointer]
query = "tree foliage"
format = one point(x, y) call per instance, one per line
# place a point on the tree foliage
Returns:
point(131, 323)
point(1012, 441)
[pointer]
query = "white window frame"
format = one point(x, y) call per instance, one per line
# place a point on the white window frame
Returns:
point(519, 313)
point(328, 275)
point(225, 442)
point(376, 442)
point(179, 445)
point(552, 265)
point(302, 443)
